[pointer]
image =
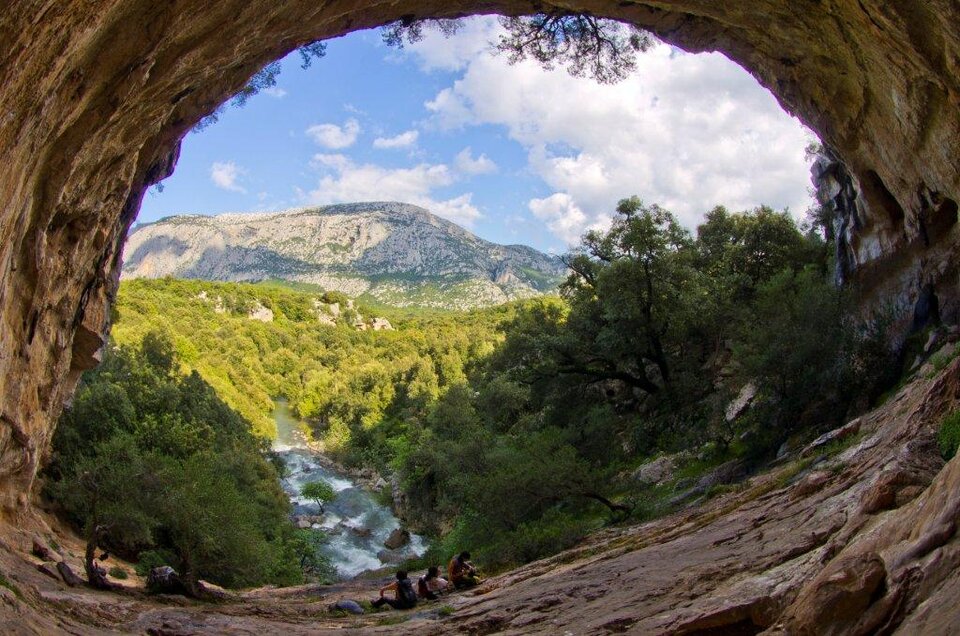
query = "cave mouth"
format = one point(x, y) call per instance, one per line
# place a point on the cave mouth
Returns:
point(94, 114)
point(95, 104)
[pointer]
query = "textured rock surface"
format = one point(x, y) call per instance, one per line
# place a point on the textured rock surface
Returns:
point(397, 253)
point(95, 96)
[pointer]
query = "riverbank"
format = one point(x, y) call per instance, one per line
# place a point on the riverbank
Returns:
point(361, 529)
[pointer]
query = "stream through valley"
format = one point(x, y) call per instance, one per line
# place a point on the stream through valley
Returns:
point(356, 523)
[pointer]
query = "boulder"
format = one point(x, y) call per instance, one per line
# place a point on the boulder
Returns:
point(727, 473)
point(850, 428)
point(41, 551)
point(68, 575)
point(361, 532)
point(165, 580)
point(381, 324)
point(50, 569)
point(395, 556)
point(381, 484)
point(397, 539)
point(742, 402)
point(346, 605)
point(656, 471)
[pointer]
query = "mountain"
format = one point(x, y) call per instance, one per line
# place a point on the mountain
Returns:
point(395, 253)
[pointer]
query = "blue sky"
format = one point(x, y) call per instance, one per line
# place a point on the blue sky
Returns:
point(515, 153)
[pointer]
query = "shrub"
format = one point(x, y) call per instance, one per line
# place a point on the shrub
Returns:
point(118, 572)
point(150, 559)
point(948, 438)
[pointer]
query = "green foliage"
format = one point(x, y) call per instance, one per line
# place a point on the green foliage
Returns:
point(307, 545)
point(118, 572)
point(509, 428)
point(948, 437)
point(5, 582)
point(942, 358)
point(150, 461)
point(155, 558)
point(319, 491)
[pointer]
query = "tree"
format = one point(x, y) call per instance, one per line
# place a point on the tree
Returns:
point(633, 293)
point(319, 491)
point(112, 491)
point(605, 50)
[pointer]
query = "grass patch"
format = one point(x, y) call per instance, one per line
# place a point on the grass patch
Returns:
point(942, 358)
point(837, 446)
point(392, 620)
point(5, 582)
point(948, 437)
point(445, 611)
point(118, 572)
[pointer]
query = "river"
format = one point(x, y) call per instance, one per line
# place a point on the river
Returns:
point(356, 523)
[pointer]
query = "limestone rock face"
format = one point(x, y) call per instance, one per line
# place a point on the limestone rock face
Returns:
point(394, 252)
point(96, 95)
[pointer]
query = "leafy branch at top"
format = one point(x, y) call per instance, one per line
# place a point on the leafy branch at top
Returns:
point(588, 46)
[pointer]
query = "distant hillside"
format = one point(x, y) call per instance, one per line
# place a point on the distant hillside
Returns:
point(394, 253)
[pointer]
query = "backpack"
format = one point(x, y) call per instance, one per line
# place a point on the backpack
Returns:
point(405, 592)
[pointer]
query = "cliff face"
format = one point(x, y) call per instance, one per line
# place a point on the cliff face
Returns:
point(95, 96)
point(397, 253)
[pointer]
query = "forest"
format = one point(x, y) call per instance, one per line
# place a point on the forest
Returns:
point(513, 431)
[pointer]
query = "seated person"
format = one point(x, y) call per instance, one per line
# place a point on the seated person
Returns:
point(462, 573)
point(404, 596)
point(431, 585)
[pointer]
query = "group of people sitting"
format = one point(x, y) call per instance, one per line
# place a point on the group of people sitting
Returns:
point(461, 572)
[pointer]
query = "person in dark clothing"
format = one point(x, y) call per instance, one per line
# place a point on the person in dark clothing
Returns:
point(404, 596)
point(462, 573)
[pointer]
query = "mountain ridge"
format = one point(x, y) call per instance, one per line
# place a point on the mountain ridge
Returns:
point(395, 253)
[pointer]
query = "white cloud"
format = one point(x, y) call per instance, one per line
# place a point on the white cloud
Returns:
point(274, 91)
point(226, 174)
point(403, 140)
point(333, 136)
point(685, 131)
point(467, 164)
point(564, 218)
point(344, 181)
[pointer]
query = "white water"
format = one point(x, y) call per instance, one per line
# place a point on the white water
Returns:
point(353, 510)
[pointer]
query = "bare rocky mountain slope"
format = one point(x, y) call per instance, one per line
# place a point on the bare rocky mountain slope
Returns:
point(397, 253)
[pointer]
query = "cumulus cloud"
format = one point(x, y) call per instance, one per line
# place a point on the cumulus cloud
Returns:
point(274, 91)
point(333, 136)
point(564, 218)
point(343, 181)
point(685, 131)
point(468, 164)
point(226, 175)
point(403, 140)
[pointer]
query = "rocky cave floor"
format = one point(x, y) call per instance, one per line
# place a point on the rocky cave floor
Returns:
point(859, 542)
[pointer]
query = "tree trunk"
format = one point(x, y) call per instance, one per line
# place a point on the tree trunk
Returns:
point(96, 575)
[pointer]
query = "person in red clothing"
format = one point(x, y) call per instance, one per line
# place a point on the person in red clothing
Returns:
point(462, 573)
